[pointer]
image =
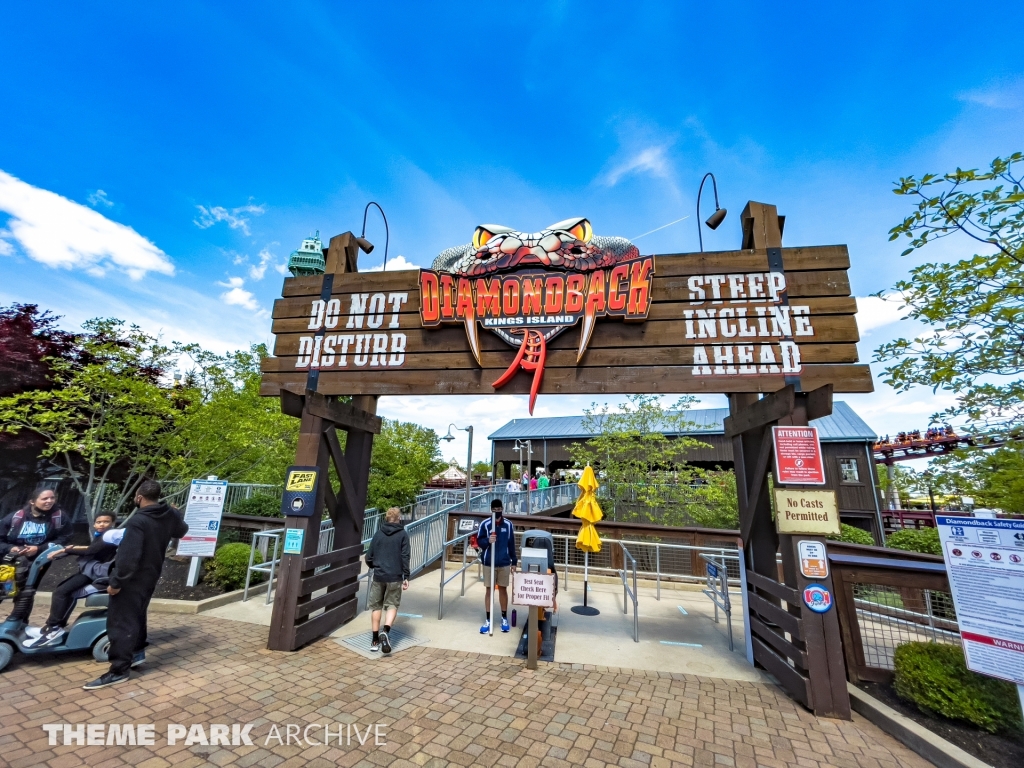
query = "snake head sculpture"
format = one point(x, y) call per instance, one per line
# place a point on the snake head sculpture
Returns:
point(569, 244)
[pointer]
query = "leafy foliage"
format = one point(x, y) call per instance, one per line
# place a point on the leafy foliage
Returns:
point(29, 340)
point(405, 456)
point(851, 534)
point(107, 417)
point(260, 505)
point(231, 431)
point(643, 473)
point(229, 564)
point(995, 478)
point(975, 305)
point(934, 676)
point(924, 540)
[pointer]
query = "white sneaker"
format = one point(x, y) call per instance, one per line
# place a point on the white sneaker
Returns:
point(52, 637)
point(33, 631)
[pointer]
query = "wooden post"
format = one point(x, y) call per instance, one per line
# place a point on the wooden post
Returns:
point(533, 627)
point(810, 662)
point(298, 617)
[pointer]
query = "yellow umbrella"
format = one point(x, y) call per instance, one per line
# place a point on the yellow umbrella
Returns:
point(589, 511)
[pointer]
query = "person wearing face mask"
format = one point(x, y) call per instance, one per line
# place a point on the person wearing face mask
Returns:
point(26, 533)
point(133, 578)
point(93, 566)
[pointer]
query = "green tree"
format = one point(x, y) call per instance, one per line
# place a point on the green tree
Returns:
point(899, 484)
point(481, 468)
point(994, 478)
point(231, 431)
point(974, 307)
point(644, 473)
point(405, 456)
point(109, 416)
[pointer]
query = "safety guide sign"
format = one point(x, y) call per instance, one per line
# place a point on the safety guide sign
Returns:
point(202, 515)
point(985, 561)
point(798, 456)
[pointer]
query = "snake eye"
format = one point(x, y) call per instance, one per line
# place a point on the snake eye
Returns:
point(582, 231)
point(480, 237)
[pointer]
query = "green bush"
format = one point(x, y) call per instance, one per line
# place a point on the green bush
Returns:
point(851, 534)
point(229, 564)
point(934, 676)
point(259, 505)
point(924, 540)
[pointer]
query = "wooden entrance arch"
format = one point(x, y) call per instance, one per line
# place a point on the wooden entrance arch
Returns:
point(774, 328)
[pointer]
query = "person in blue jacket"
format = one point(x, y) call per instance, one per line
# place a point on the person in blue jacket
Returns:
point(501, 541)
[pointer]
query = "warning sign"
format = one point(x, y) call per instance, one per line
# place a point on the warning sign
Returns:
point(798, 456)
point(813, 562)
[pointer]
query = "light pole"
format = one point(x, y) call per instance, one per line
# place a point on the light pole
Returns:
point(469, 459)
point(716, 218)
point(529, 468)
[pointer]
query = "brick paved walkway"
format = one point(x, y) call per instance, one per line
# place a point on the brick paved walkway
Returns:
point(438, 708)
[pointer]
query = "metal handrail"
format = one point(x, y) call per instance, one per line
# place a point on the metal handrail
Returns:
point(631, 593)
point(718, 589)
point(465, 566)
point(264, 567)
point(325, 543)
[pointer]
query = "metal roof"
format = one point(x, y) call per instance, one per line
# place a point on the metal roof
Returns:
point(844, 425)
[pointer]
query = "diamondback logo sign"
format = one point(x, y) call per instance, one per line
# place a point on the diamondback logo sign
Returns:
point(529, 287)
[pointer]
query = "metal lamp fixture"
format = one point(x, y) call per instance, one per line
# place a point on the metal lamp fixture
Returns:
point(469, 458)
point(716, 218)
point(365, 244)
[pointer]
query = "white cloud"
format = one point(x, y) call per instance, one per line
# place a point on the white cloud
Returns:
point(877, 312)
point(6, 249)
point(257, 271)
point(61, 233)
point(395, 264)
point(998, 95)
point(650, 160)
point(233, 218)
point(236, 295)
point(99, 199)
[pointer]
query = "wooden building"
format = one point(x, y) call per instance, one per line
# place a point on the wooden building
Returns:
point(846, 442)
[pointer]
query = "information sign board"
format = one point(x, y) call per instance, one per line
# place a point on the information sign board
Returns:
point(203, 512)
point(798, 456)
point(293, 541)
point(813, 560)
point(985, 561)
point(533, 589)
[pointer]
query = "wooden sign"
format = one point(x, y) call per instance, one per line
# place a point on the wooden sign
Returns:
point(798, 458)
point(587, 315)
point(810, 512)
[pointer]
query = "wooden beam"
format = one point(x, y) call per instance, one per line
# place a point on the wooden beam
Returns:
point(348, 495)
point(764, 412)
point(806, 258)
point(343, 415)
point(819, 402)
point(600, 380)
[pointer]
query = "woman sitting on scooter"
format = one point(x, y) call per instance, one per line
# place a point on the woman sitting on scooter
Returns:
point(93, 565)
point(25, 533)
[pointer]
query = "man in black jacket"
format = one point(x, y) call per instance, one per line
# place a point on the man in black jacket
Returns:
point(388, 556)
point(137, 567)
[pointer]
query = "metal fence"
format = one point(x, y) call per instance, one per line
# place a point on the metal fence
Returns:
point(889, 616)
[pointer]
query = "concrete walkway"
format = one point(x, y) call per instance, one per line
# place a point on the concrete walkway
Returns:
point(669, 640)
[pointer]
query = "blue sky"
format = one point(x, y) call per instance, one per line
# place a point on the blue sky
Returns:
point(159, 163)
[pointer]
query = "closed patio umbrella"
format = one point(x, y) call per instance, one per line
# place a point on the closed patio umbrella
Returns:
point(588, 540)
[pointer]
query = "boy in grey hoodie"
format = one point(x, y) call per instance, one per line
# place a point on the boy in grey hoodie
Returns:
point(388, 556)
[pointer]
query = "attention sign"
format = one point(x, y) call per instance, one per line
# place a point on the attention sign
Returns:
point(798, 456)
point(810, 512)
